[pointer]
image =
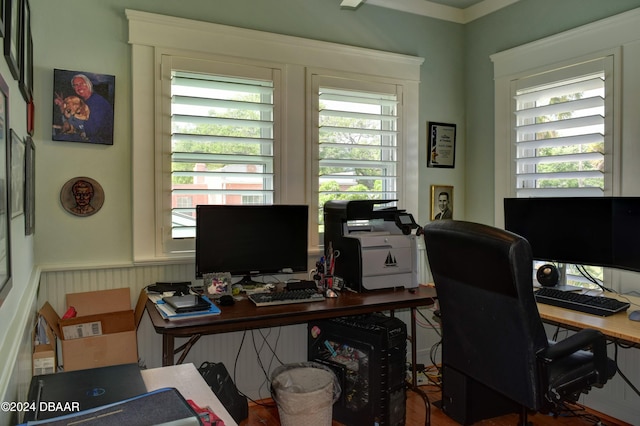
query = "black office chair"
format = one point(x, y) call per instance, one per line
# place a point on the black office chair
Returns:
point(495, 353)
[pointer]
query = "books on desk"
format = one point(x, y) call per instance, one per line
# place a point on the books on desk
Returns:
point(169, 313)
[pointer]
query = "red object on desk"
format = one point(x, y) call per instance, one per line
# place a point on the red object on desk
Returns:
point(207, 417)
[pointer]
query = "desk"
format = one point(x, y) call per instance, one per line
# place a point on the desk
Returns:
point(615, 327)
point(244, 315)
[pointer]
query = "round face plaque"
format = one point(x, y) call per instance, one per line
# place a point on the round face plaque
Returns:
point(82, 196)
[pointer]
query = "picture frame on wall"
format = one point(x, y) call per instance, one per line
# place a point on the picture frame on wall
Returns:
point(30, 187)
point(12, 37)
point(5, 242)
point(26, 59)
point(2, 15)
point(441, 145)
point(83, 107)
point(441, 202)
point(17, 161)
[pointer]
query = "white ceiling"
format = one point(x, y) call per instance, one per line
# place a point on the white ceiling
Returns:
point(460, 11)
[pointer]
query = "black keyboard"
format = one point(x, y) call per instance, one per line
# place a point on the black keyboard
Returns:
point(596, 305)
point(286, 297)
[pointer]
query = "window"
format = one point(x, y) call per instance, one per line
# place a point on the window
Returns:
point(221, 143)
point(357, 141)
point(559, 121)
point(231, 123)
point(561, 139)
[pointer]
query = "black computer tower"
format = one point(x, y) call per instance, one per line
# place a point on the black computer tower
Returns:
point(468, 401)
point(368, 355)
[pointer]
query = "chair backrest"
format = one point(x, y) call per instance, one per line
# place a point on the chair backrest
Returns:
point(491, 328)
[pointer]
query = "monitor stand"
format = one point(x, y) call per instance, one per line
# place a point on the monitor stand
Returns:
point(562, 280)
point(247, 281)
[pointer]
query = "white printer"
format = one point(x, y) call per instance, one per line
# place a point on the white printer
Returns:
point(377, 246)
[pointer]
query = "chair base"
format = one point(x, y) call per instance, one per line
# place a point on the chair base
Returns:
point(467, 401)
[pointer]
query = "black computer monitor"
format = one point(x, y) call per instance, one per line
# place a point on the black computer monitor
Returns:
point(599, 231)
point(251, 239)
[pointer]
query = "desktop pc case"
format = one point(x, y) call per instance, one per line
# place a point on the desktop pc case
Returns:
point(368, 355)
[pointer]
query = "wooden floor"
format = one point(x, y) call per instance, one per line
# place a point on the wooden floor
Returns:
point(266, 414)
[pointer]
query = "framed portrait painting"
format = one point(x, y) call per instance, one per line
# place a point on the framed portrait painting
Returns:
point(441, 202)
point(83, 107)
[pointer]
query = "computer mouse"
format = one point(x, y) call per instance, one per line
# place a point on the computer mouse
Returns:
point(330, 293)
point(226, 300)
point(634, 315)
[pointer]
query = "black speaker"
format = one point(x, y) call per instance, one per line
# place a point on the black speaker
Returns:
point(548, 275)
point(217, 377)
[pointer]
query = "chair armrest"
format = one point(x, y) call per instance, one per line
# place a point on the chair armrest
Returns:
point(583, 339)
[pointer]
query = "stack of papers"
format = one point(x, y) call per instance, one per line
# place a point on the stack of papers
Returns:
point(168, 313)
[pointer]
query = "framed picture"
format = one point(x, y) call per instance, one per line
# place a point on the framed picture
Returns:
point(17, 174)
point(12, 39)
point(30, 187)
point(2, 15)
point(5, 245)
point(441, 145)
point(26, 59)
point(83, 107)
point(441, 202)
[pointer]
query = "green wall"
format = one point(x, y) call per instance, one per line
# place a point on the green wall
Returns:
point(456, 87)
point(92, 36)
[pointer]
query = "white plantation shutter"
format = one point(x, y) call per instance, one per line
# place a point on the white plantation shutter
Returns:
point(561, 138)
point(562, 134)
point(357, 141)
point(222, 141)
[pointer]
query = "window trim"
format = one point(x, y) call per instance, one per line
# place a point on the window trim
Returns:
point(151, 35)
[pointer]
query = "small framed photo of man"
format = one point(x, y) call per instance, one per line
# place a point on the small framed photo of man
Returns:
point(441, 202)
point(83, 107)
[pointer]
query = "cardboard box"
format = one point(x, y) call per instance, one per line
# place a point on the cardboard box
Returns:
point(102, 333)
point(44, 355)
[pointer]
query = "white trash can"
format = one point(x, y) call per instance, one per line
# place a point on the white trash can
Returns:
point(305, 393)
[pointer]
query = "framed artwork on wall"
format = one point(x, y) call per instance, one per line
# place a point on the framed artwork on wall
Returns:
point(441, 145)
point(16, 160)
point(2, 15)
point(26, 59)
point(12, 40)
point(82, 196)
point(441, 202)
point(5, 244)
point(83, 107)
point(30, 187)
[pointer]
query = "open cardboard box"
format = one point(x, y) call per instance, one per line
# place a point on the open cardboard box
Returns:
point(44, 354)
point(102, 333)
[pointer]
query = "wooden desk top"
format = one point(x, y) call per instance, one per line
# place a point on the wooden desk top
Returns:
point(245, 315)
point(617, 326)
